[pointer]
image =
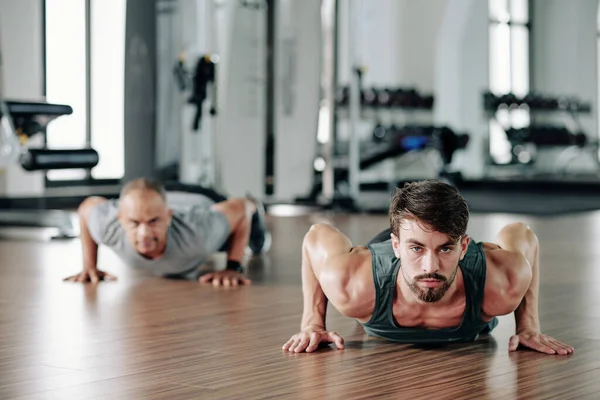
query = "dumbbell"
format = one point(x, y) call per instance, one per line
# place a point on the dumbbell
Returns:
point(426, 102)
point(509, 99)
point(490, 101)
point(370, 97)
point(380, 132)
point(385, 97)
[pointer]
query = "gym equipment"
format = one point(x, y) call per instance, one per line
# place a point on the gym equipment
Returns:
point(29, 119)
point(397, 142)
point(340, 159)
point(389, 98)
point(203, 79)
point(535, 101)
point(526, 142)
point(20, 121)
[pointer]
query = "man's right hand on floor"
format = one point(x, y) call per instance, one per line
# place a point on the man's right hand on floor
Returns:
point(92, 275)
point(309, 339)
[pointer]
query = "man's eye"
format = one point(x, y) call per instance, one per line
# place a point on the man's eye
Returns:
point(416, 249)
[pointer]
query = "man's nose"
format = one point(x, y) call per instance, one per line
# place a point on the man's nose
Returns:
point(431, 263)
point(143, 229)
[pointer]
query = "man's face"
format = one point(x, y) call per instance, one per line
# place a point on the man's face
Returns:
point(429, 259)
point(145, 218)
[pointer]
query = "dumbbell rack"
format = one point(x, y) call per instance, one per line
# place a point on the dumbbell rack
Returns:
point(389, 111)
point(570, 136)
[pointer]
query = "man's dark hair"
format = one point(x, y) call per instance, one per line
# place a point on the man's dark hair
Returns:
point(144, 184)
point(434, 204)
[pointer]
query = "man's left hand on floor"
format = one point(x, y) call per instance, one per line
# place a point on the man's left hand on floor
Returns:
point(224, 278)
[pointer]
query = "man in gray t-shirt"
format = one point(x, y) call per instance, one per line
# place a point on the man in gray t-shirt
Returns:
point(168, 234)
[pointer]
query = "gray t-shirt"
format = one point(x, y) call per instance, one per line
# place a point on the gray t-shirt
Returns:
point(195, 233)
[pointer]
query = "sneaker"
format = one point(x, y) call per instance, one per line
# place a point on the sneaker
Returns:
point(260, 238)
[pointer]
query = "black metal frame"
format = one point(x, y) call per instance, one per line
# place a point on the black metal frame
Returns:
point(270, 99)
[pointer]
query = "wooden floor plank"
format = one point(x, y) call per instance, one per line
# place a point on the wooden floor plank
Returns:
point(148, 338)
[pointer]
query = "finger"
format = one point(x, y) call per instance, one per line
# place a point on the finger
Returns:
point(337, 339)
point(93, 277)
point(302, 345)
point(217, 281)
point(288, 343)
point(236, 281)
point(294, 344)
point(513, 343)
point(70, 278)
point(314, 342)
point(536, 344)
point(82, 277)
point(206, 278)
point(557, 346)
point(565, 346)
point(109, 277)
point(246, 281)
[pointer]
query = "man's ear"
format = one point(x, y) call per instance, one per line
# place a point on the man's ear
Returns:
point(464, 244)
point(396, 244)
point(170, 213)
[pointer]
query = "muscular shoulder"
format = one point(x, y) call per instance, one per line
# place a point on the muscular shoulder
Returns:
point(100, 216)
point(349, 280)
point(508, 277)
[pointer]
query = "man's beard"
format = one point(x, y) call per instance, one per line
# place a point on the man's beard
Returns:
point(430, 295)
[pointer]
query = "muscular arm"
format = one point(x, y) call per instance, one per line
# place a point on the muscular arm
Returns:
point(513, 285)
point(331, 272)
point(89, 246)
point(509, 276)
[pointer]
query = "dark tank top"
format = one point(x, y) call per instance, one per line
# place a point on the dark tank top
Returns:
point(385, 271)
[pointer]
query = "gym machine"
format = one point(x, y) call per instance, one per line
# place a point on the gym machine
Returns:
point(19, 122)
point(527, 141)
point(338, 164)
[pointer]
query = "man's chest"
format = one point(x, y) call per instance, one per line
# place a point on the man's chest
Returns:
point(429, 317)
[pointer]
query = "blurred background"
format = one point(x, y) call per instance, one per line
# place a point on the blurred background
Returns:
point(315, 103)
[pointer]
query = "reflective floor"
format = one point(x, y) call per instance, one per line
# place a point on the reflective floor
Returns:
point(148, 338)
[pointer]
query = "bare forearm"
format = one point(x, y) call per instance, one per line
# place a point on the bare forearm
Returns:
point(526, 314)
point(88, 246)
point(315, 301)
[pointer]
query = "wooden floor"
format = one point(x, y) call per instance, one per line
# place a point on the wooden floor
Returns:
point(147, 338)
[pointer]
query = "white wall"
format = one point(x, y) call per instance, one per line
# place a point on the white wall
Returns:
point(21, 46)
point(241, 78)
point(297, 69)
point(564, 35)
point(397, 41)
point(461, 76)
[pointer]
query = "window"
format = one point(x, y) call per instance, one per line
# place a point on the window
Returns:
point(95, 91)
point(508, 69)
point(66, 77)
point(108, 86)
